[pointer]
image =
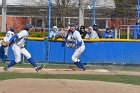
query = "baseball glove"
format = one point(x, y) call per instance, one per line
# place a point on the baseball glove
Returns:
point(70, 45)
point(5, 44)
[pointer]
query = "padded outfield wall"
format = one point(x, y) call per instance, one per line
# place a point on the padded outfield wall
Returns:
point(97, 51)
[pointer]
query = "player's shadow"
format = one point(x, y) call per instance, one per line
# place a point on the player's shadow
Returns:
point(1, 52)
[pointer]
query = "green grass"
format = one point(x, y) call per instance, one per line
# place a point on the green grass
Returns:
point(91, 67)
point(109, 78)
point(26, 65)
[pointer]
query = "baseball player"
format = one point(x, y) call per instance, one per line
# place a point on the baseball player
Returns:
point(78, 44)
point(7, 37)
point(17, 42)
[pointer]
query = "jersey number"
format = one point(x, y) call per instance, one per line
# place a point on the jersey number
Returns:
point(8, 34)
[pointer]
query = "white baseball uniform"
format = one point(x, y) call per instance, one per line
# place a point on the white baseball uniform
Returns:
point(7, 37)
point(18, 46)
point(75, 35)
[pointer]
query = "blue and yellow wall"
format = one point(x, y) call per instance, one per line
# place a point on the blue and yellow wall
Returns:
point(97, 51)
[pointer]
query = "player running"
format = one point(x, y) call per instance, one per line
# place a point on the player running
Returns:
point(17, 42)
point(78, 43)
point(7, 37)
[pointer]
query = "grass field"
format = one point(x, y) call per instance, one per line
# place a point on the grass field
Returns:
point(128, 79)
point(109, 78)
point(64, 66)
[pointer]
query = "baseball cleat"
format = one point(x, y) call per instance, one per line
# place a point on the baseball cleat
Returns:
point(5, 69)
point(80, 69)
point(39, 68)
point(84, 69)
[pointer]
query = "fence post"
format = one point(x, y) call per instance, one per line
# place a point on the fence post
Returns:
point(116, 33)
point(4, 7)
point(128, 31)
point(56, 22)
point(68, 21)
point(119, 34)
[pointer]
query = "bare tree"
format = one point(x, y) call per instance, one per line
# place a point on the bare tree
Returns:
point(69, 8)
point(34, 9)
point(63, 9)
point(60, 9)
point(125, 8)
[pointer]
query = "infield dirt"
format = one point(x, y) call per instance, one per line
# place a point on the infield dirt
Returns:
point(64, 86)
point(29, 85)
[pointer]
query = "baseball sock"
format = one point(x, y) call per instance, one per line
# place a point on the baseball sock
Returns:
point(31, 61)
point(12, 63)
point(4, 58)
point(81, 65)
point(77, 64)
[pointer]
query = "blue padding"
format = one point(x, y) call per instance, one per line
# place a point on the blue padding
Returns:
point(102, 52)
point(95, 52)
point(131, 52)
point(56, 52)
point(37, 49)
point(109, 52)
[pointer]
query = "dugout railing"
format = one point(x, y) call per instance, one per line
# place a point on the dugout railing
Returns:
point(125, 30)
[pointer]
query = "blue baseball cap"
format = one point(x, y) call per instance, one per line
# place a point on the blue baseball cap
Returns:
point(73, 24)
point(108, 28)
point(12, 29)
point(28, 26)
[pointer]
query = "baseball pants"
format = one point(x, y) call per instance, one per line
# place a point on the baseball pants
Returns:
point(77, 53)
point(18, 51)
